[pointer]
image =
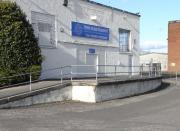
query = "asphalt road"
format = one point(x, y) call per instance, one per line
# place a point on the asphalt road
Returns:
point(159, 111)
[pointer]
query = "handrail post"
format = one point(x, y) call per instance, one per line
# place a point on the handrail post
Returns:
point(141, 70)
point(160, 71)
point(149, 71)
point(61, 76)
point(71, 74)
point(30, 82)
point(115, 71)
point(96, 73)
point(176, 77)
point(130, 70)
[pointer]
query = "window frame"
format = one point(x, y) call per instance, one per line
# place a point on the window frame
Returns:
point(124, 44)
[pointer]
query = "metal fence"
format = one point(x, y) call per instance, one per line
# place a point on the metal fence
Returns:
point(79, 72)
point(171, 77)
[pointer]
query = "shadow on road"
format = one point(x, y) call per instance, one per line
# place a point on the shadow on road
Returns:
point(164, 86)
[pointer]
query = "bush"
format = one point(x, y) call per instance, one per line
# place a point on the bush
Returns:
point(19, 51)
point(9, 77)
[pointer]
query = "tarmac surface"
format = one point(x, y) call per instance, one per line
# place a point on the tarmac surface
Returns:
point(157, 111)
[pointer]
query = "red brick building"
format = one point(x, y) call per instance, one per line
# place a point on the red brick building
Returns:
point(174, 46)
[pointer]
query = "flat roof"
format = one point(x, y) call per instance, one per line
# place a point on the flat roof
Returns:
point(93, 2)
point(174, 21)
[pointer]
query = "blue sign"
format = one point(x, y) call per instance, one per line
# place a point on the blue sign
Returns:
point(90, 31)
point(92, 51)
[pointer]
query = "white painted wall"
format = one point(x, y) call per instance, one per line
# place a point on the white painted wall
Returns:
point(105, 92)
point(84, 93)
point(68, 50)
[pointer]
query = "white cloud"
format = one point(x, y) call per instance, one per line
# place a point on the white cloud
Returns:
point(162, 50)
point(154, 46)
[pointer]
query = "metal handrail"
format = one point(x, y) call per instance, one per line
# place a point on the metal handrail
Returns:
point(67, 72)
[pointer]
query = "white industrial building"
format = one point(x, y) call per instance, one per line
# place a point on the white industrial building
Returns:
point(155, 58)
point(82, 32)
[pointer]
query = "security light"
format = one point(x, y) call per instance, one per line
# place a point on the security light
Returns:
point(65, 3)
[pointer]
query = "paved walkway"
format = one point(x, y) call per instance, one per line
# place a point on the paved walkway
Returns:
point(26, 88)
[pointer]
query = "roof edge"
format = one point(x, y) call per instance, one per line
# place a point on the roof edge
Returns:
point(174, 21)
point(148, 53)
point(114, 8)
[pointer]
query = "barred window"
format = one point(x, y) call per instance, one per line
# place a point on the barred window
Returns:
point(124, 40)
point(44, 27)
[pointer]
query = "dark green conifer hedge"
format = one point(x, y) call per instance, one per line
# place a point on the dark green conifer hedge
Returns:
point(19, 51)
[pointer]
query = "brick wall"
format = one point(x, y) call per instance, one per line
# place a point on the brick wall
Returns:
point(174, 46)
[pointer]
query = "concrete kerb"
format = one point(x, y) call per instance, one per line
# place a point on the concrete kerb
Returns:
point(128, 81)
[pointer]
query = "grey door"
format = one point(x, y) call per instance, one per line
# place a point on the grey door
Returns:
point(92, 61)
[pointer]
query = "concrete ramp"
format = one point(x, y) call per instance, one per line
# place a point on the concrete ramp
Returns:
point(78, 90)
point(40, 93)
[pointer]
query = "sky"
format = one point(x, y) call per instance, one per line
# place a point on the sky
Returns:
point(155, 15)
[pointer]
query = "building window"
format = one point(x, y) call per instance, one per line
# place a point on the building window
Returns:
point(44, 28)
point(124, 36)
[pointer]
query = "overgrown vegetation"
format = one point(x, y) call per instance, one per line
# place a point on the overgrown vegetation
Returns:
point(19, 51)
